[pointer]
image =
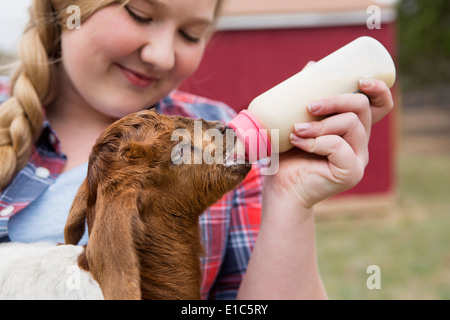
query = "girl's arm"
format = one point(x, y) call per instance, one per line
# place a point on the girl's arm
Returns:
point(330, 157)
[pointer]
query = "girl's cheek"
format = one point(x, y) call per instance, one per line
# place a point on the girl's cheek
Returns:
point(189, 60)
point(116, 38)
point(117, 47)
point(107, 31)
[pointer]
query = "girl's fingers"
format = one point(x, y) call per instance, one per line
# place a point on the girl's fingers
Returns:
point(346, 168)
point(380, 98)
point(355, 103)
point(371, 107)
point(347, 125)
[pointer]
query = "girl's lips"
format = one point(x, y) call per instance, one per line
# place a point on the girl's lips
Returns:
point(137, 79)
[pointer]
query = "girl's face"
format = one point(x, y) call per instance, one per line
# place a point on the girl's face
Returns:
point(124, 59)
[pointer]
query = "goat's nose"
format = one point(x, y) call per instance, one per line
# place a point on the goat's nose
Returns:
point(221, 127)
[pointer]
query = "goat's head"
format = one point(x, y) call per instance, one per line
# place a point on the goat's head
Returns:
point(139, 175)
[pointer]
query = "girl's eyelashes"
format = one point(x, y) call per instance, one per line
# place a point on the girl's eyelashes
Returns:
point(189, 38)
point(138, 18)
point(145, 20)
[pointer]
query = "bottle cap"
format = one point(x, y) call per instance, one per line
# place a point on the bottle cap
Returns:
point(254, 136)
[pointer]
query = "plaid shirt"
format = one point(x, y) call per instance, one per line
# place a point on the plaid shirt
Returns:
point(229, 228)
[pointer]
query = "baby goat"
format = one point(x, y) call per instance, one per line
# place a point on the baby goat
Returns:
point(142, 213)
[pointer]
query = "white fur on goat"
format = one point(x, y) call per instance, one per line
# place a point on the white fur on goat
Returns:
point(44, 271)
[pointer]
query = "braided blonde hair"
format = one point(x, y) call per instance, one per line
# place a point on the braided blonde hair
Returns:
point(33, 82)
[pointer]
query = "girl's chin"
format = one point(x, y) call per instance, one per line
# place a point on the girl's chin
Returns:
point(120, 113)
point(121, 107)
point(117, 110)
point(121, 101)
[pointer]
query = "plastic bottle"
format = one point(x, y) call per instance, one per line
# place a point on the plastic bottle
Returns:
point(286, 104)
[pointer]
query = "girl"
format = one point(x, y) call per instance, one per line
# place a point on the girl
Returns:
point(130, 55)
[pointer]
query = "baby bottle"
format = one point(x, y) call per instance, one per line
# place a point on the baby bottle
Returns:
point(280, 108)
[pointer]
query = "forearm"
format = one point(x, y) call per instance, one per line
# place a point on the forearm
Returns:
point(284, 262)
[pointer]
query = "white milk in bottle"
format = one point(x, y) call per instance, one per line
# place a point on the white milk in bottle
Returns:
point(286, 104)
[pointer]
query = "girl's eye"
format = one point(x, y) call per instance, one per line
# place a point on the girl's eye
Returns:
point(137, 17)
point(189, 38)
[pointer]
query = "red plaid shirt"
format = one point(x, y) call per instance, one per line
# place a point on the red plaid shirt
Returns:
point(229, 228)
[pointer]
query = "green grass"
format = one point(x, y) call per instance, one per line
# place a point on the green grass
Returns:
point(411, 245)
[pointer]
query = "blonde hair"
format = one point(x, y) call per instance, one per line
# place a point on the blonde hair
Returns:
point(33, 81)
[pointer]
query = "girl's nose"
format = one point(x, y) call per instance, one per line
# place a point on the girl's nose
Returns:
point(159, 51)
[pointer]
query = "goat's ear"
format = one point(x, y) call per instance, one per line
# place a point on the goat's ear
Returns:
point(75, 225)
point(111, 251)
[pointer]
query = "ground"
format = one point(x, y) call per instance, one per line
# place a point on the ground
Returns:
point(410, 241)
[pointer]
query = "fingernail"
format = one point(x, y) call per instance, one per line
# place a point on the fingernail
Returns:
point(299, 127)
point(366, 83)
point(315, 107)
point(296, 139)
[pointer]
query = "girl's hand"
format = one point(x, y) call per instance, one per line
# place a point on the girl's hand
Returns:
point(331, 154)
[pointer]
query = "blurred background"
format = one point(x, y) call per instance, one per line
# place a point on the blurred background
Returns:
point(398, 217)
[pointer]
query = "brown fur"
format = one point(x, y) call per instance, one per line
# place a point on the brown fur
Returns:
point(142, 210)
